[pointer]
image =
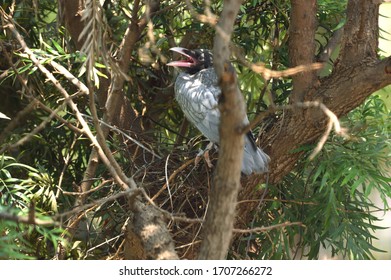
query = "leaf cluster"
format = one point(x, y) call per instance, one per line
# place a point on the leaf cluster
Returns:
point(331, 195)
point(334, 196)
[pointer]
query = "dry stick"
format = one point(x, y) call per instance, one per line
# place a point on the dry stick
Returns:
point(167, 182)
point(113, 128)
point(268, 73)
point(62, 70)
point(130, 192)
point(117, 252)
point(105, 242)
point(78, 210)
point(29, 219)
point(129, 182)
point(57, 117)
point(207, 18)
point(101, 185)
point(66, 160)
point(169, 215)
point(172, 176)
point(269, 228)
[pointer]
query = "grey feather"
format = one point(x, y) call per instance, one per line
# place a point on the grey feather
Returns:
point(198, 94)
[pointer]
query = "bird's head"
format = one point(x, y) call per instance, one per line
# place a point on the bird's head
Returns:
point(194, 60)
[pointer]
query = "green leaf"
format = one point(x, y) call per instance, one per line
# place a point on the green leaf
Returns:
point(58, 47)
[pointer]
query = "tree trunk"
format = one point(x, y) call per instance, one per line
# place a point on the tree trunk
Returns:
point(221, 211)
point(302, 45)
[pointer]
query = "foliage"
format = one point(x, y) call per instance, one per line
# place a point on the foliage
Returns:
point(329, 195)
point(22, 186)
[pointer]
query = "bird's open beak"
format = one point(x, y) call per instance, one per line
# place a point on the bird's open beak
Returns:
point(188, 62)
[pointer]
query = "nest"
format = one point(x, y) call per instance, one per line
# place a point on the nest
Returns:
point(177, 184)
point(180, 185)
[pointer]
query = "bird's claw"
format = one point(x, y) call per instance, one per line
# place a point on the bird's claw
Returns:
point(204, 154)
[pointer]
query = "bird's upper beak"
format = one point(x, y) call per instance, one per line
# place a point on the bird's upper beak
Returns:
point(189, 60)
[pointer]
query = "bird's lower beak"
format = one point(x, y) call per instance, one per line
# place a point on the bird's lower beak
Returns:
point(189, 61)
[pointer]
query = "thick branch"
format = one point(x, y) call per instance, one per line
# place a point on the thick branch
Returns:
point(70, 15)
point(302, 45)
point(147, 235)
point(221, 211)
point(361, 32)
point(341, 93)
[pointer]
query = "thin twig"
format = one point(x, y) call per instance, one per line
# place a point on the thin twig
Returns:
point(126, 136)
point(105, 242)
point(169, 215)
point(62, 70)
point(268, 73)
point(129, 193)
point(167, 181)
point(269, 228)
point(172, 176)
point(101, 185)
point(66, 160)
point(26, 219)
point(207, 18)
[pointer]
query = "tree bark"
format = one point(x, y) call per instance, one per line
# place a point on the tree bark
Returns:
point(302, 45)
point(70, 12)
point(147, 236)
point(217, 230)
point(357, 74)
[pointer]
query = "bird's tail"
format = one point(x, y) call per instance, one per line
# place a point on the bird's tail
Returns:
point(254, 159)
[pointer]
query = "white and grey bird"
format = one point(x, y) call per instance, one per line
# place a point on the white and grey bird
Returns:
point(197, 92)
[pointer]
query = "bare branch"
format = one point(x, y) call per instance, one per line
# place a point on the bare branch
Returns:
point(269, 228)
point(62, 70)
point(268, 74)
point(302, 45)
point(31, 220)
point(130, 193)
point(221, 211)
point(113, 128)
point(171, 178)
point(148, 224)
point(208, 17)
point(101, 185)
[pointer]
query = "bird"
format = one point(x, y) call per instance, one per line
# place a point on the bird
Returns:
point(197, 93)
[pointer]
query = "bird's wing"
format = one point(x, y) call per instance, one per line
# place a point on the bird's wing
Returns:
point(198, 97)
